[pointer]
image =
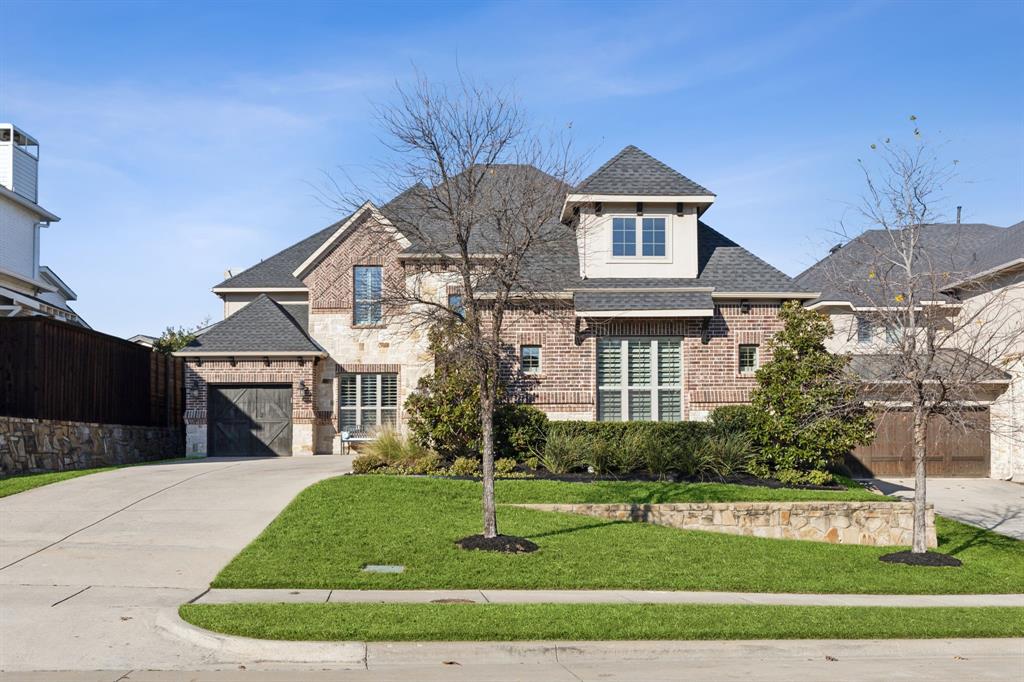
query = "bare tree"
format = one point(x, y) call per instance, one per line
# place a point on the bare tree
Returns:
point(940, 328)
point(479, 194)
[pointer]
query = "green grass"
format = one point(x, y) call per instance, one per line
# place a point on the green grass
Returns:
point(419, 622)
point(19, 483)
point(334, 528)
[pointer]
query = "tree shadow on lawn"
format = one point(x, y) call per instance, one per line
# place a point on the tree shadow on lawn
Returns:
point(987, 536)
point(575, 529)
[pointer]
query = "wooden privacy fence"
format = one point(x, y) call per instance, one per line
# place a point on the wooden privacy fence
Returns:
point(54, 370)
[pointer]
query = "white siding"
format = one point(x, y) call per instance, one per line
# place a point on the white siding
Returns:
point(17, 239)
point(26, 173)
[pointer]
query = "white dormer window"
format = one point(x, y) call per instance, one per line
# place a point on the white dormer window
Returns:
point(652, 237)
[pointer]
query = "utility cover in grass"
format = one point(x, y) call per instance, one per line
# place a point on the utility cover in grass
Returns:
point(921, 559)
point(509, 544)
point(383, 568)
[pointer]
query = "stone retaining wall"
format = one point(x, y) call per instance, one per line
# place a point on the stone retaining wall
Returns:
point(849, 523)
point(36, 445)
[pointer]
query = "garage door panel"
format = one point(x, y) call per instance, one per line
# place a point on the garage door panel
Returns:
point(253, 420)
point(954, 449)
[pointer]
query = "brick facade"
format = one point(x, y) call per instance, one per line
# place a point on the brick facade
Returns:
point(566, 384)
point(201, 373)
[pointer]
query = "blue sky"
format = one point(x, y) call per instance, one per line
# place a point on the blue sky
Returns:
point(181, 139)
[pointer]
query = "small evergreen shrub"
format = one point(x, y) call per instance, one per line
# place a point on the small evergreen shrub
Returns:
point(660, 447)
point(427, 465)
point(598, 455)
point(733, 419)
point(723, 455)
point(518, 431)
point(504, 466)
point(563, 451)
point(464, 466)
point(367, 464)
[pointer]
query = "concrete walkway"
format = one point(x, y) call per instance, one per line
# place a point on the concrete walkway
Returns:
point(88, 565)
point(984, 502)
point(604, 597)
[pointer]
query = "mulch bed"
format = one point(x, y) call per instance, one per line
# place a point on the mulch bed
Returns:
point(510, 544)
point(926, 559)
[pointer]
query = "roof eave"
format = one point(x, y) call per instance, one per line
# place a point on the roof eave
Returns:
point(184, 353)
point(702, 201)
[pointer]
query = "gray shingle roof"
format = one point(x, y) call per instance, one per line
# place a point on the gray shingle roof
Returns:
point(634, 172)
point(276, 271)
point(597, 301)
point(950, 250)
point(1002, 248)
point(879, 366)
point(261, 326)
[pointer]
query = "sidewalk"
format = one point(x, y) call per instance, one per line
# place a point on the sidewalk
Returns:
point(221, 596)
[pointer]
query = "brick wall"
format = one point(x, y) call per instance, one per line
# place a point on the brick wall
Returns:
point(565, 387)
point(199, 374)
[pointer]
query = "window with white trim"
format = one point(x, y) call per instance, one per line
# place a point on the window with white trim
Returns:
point(651, 238)
point(366, 293)
point(748, 358)
point(367, 402)
point(639, 379)
point(529, 359)
point(865, 330)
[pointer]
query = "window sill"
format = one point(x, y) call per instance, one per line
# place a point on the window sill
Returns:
point(639, 259)
point(369, 326)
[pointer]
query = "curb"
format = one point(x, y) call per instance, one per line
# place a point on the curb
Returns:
point(246, 649)
point(375, 655)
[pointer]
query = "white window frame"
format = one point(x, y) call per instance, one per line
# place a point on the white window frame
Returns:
point(540, 353)
point(356, 301)
point(739, 359)
point(655, 387)
point(865, 324)
point(638, 237)
point(359, 408)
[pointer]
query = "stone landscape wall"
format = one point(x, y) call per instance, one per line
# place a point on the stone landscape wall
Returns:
point(35, 445)
point(848, 523)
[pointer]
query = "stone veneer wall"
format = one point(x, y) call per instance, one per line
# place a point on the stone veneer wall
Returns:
point(36, 445)
point(848, 523)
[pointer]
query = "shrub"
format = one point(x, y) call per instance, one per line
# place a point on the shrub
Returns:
point(598, 454)
point(504, 466)
point(723, 455)
point(430, 463)
point(464, 466)
point(807, 411)
point(394, 448)
point(367, 464)
point(797, 477)
point(661, 447)
point(532, 462)
point(562, 451)
point(518, 431)
point(733, 419)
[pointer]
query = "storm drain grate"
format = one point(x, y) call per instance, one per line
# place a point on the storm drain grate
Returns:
point(383, 568)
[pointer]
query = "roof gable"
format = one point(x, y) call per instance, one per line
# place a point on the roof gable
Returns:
point(261, 327)
point(634, 172)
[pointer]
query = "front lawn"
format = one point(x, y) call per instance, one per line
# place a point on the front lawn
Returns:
point(426, 622)
point(19, 483)
point(334, 528)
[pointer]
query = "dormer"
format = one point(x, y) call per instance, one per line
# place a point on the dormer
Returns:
point(636, 217)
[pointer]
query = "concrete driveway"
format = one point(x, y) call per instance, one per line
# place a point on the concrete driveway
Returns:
point(983, 502)
point(87, 565)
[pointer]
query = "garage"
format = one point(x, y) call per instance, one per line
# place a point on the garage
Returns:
point(954, 451)
point(250, 420)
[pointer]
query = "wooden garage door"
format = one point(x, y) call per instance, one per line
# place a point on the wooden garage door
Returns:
point(952, 450)
point(252, 420)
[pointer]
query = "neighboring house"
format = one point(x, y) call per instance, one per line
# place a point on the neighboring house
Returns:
point(979, 261)
point(26, 287)
point(651, 315)
point(144, 340)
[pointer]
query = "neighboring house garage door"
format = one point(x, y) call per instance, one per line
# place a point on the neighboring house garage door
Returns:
point(953, 450)
point(250, 420)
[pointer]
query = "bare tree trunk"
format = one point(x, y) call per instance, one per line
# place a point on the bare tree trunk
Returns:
point(920, 543)
point(487, 429)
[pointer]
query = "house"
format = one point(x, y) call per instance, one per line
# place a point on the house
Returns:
point(971, 264)
point(26, 287)
point(652, 314)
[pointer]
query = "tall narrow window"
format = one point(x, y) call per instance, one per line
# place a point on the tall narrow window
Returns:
point(623, 236)
point(748, 358)
point(865, 330)
point(455, 304)
point(654, 237)
point(529, 359)
point(367, 294)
